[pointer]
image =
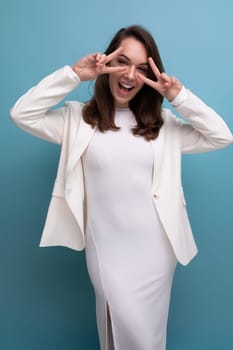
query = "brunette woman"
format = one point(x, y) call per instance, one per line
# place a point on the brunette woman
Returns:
point(118, 190)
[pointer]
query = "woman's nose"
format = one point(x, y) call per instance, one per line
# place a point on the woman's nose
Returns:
point(131, 72)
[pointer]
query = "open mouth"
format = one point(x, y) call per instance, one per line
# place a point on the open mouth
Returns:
point(125, 87)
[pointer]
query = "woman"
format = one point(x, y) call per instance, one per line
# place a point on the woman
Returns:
point(118, 189)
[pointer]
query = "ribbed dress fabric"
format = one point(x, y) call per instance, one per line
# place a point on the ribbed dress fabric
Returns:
point(129, 258)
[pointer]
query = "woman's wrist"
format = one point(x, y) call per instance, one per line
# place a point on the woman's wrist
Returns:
point(77, 70)
point(180, 98)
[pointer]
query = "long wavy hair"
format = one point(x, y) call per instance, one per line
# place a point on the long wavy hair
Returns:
point(146, 105)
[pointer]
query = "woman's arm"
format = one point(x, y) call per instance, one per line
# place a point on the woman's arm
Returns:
point(206, 130)
point(32, 111)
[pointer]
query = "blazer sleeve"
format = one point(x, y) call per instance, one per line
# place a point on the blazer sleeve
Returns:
point(205, 130)
point(32, 112)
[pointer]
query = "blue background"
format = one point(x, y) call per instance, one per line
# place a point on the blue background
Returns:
point(46, 300)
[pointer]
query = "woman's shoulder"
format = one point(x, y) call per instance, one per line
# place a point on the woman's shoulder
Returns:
point(169, 117)
point(74, 109)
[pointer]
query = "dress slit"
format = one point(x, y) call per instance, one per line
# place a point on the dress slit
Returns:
point(109, 329)
point(104, 317)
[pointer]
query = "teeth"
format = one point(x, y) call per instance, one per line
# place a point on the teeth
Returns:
point(126, 86)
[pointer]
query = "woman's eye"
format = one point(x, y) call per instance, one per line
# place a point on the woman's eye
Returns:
point(121, 61)
point(143, 70)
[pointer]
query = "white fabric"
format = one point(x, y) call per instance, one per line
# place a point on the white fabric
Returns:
point(205, 131)
point(180, 98)
point(129, 258)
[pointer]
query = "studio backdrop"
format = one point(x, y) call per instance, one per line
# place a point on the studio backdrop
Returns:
point(46, 299)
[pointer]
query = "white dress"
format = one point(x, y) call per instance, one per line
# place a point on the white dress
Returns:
point(129, 258)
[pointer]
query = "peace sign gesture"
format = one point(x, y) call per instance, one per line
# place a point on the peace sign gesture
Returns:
point(89, 67)
point(168, 87)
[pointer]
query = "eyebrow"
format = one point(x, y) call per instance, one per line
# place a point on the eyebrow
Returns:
point(127, 58)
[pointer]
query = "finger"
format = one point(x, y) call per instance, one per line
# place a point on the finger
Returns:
point(97, 56)
point(102, 59)
point(92, 57)
point(165, 77)
point(118, 69)
point(154, 67)
point(113, 54)
point(173, 80)
point(146, 80)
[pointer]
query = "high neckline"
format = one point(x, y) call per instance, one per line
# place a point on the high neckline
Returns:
point(123, 109)
point(124, 117)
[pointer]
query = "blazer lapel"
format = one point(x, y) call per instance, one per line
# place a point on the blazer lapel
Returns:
point(83, 136)
point(157, 145)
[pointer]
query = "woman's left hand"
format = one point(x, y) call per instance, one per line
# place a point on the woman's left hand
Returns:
point(168, 87)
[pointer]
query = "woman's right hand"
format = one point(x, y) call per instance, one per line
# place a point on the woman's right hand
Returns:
point(89, 67)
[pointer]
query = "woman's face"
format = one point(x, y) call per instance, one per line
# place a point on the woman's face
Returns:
point(134, 58)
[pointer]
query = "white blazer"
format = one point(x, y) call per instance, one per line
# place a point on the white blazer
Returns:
point(65, 222)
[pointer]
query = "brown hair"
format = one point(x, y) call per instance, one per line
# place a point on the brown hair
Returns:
point(146, 105)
